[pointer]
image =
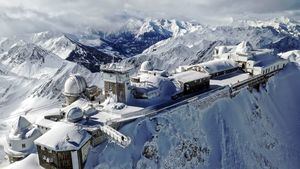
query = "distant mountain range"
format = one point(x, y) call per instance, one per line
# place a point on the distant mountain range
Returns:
point(179, 42)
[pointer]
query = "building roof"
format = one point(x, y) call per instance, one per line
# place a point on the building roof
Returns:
point(22, 123)
point(21, 129)
point(64, 137)
point(189, 76)
point(218, 65)
point(267, 61)
point(114, 68)
point(45, 122)
point(81, 103)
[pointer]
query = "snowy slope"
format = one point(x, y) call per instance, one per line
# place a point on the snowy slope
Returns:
point(32, 72)
point(56, 43)
point(32, 81)
point(63, 46)
point(251, 130)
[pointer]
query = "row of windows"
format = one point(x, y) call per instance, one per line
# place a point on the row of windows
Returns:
point(23, 145)
point(44, 128)
point(271, 69)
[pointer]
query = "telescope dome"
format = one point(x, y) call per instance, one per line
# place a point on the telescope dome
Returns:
point(74, 85)
point(75, 114)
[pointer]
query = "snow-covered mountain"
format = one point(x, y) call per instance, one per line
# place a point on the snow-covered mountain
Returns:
point(281, 24)
point(248, 131)
point(197, 46)
point(63, 46)
point(137, 35)
point(33, 78)
point(92, 48)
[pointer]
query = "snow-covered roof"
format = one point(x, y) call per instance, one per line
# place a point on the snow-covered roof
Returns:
point(74, 85)
point(21, 124)
point(218, 65)
point(114, 68)
point(267, 61)
point(149, 83)
point(189, 76)
point(81, 103)
point(22, 130)
point(64, 137)
point(45, 122)
point(149, 80)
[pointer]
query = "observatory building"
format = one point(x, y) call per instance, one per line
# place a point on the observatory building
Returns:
point(64, 146)
point(20, 139)
point(74, 87)
point(253, 61)
point(151, 84)
point(116, 81)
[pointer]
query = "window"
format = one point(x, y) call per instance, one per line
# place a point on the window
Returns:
point(42, 148)
point(109, 86)
point(23, 145)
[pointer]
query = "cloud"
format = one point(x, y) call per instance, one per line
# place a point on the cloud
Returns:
point(25, 16)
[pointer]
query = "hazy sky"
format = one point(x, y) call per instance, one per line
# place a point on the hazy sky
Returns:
point(23, 16)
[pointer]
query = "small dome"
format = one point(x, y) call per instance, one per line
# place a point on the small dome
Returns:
point(146, 66)
point(74, 85)
point(75, 114)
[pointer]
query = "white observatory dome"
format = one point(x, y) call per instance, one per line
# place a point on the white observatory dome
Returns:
point(146, 66)
point(74, 85)
point(75, 114)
